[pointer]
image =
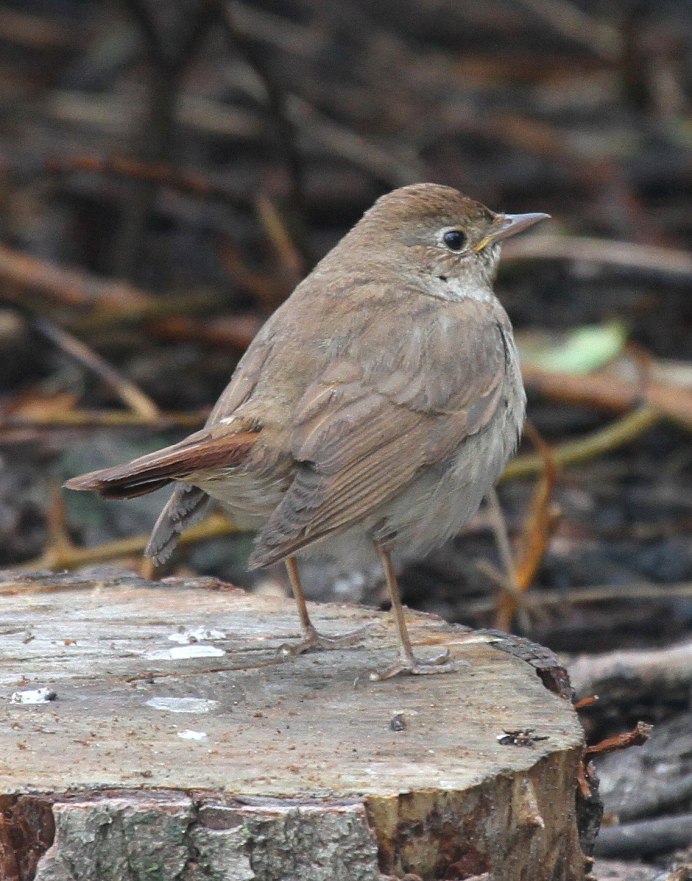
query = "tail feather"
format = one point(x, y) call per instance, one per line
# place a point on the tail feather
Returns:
point(202, 451)
point(186, 507)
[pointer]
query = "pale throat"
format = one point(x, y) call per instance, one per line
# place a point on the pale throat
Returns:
point(456, 289)
point(467, 289)
point(468, 280)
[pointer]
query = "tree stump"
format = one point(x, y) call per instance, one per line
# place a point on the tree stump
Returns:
point(182, 745)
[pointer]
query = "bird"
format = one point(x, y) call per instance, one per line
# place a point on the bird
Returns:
point(371, 413)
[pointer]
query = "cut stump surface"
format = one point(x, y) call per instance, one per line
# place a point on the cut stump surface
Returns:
point(219, 758)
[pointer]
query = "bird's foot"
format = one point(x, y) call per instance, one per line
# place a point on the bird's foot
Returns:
point(313, 639)
point(408, 663)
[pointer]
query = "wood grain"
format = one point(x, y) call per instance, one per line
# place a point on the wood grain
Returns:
point(359, 780)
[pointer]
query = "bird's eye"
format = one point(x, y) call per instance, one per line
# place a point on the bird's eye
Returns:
point(454, 239)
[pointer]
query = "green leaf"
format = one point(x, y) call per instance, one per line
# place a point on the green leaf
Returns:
point(581, 351)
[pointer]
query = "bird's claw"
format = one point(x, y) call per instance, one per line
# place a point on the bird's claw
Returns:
point(313, 639)
point(413, 666)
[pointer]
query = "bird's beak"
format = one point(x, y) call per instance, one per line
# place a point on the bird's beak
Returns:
point(510, 225)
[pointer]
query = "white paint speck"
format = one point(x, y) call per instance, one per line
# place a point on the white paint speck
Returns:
point(34, 696)
point(192, 735)
point(182, 652)
point(196, 634)
point(182, 704)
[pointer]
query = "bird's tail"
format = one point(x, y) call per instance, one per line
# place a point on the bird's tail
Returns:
point(187, 506)
point(206, 450)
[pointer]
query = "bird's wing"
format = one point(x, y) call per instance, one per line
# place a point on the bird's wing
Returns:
point(393, 404)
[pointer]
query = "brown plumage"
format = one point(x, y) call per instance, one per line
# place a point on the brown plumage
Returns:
point(200, 452)
point(374, 409)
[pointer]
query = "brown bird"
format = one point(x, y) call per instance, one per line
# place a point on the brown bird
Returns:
point(373, 410)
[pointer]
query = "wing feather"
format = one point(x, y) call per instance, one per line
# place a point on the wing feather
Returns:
point(365, 430)
point(187, 506)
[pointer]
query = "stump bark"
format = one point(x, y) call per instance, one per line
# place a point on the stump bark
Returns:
point(182, 745)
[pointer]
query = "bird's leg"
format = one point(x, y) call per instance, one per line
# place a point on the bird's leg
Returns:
point(312, 639)
point(407, 661)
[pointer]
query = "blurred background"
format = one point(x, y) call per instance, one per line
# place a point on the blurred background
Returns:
point(170, 170)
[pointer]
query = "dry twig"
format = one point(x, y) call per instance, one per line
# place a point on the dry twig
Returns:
point(131, 396)
point(160, 173)
point(624, 255)
point(589, 596)
point(277, 103)
point(639, 735)
point(615, 435)
point(22, 274)
point(11, 424)
point(605, 390)
point(67, 556)
point(539, 524)
point(167, 61)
